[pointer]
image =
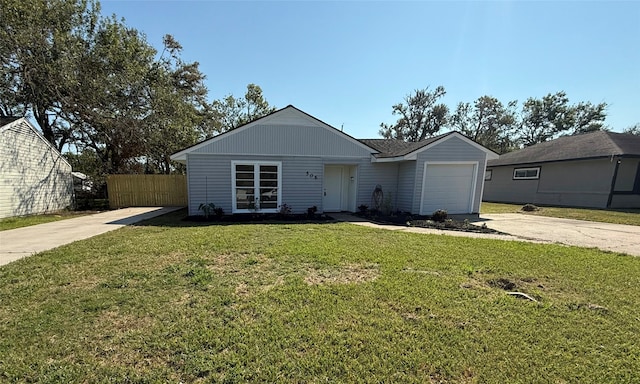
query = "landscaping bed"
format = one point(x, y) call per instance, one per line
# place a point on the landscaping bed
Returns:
point(438, 220)
point(265, 218)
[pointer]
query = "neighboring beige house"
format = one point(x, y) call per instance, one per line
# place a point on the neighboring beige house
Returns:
point(34, 177)
point(599, 169)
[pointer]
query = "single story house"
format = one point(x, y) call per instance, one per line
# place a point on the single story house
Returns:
point(598, 169)
point(290, 157)
point(34, 177)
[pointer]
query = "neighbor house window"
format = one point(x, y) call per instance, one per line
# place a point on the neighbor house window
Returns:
point(487, 174)
point(526, 173)
point(256, 186)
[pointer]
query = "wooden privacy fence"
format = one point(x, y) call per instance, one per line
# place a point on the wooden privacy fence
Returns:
point(146, 190)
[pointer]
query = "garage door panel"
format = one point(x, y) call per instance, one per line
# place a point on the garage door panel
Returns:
point(448, 186)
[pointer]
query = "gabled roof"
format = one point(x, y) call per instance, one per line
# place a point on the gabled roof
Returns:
point(16, 123)
point(395, 148)
point(392, 149)
point(380, 149)
point(181, 155)
point(584, 146)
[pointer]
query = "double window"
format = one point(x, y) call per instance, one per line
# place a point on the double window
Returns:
point(526, 173)
point(256, 186)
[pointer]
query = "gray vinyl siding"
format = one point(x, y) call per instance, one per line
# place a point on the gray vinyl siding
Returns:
point(580, 183)
point(372, 174)
point(451, 150)
point(301, 180)
point(406, 185)
point(34, 177)
point(286, 140)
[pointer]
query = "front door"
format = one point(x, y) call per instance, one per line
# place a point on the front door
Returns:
point(332, 193)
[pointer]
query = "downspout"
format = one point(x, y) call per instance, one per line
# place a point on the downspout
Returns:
point(613, 181)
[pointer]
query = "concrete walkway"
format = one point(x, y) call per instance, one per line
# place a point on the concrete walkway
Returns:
point(537, 229)
point(605, 236)
point(21, 242)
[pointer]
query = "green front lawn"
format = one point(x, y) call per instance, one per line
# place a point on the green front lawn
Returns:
point(175, 302)
point(25, 221)
point(627, 216)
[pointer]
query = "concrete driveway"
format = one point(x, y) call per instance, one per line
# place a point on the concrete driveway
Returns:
point(21, 242)
point(605, 236)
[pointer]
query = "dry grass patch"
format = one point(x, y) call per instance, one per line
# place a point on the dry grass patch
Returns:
point(345, 274)
point(121, 323)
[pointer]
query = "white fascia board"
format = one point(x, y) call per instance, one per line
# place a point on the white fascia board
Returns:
point(388, 159)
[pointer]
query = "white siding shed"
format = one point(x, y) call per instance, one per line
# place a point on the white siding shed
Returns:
point(34, 177)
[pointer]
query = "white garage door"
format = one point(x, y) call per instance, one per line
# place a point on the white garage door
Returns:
point(449, 187)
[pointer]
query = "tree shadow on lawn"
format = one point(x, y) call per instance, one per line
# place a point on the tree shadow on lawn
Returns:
point(180, 218)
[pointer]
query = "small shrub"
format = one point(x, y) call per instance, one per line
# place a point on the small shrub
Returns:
point(285, 210)
point(219, 212)
point(207, 209)
point(311, 211)
point(530, 208)
point(363, 208)
point(439, 215)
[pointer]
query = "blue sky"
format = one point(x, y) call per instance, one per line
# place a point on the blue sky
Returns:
point(347, 63)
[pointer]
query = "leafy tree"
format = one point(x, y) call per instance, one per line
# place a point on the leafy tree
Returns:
point(547, 118)
point(108, 103)
point(178, 108)
point(487, 122)
point(633, 130)
point(231, 112)
point(40, 41)
point(95, 83)
point(420, 116)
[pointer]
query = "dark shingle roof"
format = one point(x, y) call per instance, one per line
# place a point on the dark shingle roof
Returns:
point(8, 120)
point(393, 147)
point(585, 146)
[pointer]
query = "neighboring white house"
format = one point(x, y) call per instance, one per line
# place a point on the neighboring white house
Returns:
point(34, 177)
point(290, 157)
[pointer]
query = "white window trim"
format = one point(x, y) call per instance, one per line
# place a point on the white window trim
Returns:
point(537, 176)
point(256, 171)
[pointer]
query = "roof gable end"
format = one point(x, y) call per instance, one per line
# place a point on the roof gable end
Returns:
point(15, 123)
point(289, 116)
point(447, 136)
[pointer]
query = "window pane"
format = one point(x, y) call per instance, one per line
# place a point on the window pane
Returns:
point(268, 183)
point(244, 183)
point(268, 194)
point(520, 173)
point(269, 168)
point(268, 176)
point(244, 195)
point(244, 175)
point(244, 168)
